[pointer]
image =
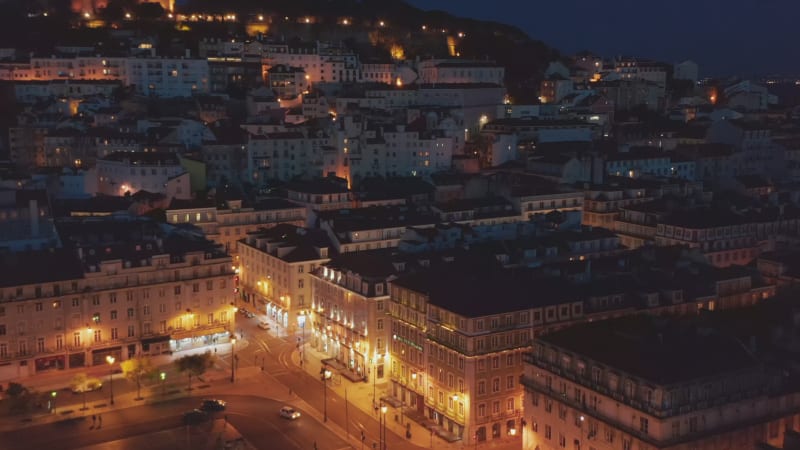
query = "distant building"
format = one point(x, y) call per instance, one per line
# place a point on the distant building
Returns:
point(26, 221)
point(687, 70)
point(228, 223)
point(458, 71)
point(123, 173)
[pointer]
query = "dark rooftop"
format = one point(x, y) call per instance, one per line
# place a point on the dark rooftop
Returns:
point(657, 350)
point(34, 267)
point(480, 288)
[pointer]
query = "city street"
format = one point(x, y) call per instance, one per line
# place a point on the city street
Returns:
point(268, 376)
point(256, 419)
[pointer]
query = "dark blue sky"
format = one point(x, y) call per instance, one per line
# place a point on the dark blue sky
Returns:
point(724, 36)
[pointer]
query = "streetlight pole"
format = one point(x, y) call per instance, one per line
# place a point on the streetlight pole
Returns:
point(163, 376)
point(110, 360)
point(383, 428)
point(326, 374)
point(301, 320)
point(233, 359)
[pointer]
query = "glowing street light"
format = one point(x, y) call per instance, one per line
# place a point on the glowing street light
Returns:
point(382, 430)
point(326, 375)
point(110, 360)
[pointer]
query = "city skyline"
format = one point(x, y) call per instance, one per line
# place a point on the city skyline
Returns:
point(574, 25)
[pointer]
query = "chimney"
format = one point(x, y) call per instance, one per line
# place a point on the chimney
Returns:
point(33, 210)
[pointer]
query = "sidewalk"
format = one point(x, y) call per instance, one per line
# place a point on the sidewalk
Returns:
point(360, 395)
point(71, 407)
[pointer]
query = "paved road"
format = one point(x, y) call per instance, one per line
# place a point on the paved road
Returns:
point(276, 356)
point(256, 419)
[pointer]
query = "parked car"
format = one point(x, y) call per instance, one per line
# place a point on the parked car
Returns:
point(91, 384)
point(287, 412)
point(263, 325)
point(212, 404)
point(195, 416)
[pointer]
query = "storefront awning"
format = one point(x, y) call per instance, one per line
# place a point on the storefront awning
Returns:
point(190, 334)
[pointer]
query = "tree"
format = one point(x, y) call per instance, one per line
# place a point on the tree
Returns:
point(136, 369)
point(16, 390)
point(20, 398)
point(194, 365)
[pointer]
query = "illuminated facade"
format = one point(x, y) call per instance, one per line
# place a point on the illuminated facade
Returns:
point(348, 313)
point(458, 371)
point(275, 267)
point(158, 292)
point(162, 77)
point(458, 334)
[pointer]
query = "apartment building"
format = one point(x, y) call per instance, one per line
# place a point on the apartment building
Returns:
point(645, 383)
point(29, 92)
point(283, 155)
point(118, 287)
point(321, 194)
point(534, 198)
point(602, 204)
point(458, 335)
point(457, 71)
point(275, 270)
point(348, 318)
point(356, 229)
point(162, 77)
point(637, 222)
point(323, 62)
point(128, 172)
point(231, 221)
point(726, 237)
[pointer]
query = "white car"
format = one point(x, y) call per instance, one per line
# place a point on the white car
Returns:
point(287, 412)
point(263, 325)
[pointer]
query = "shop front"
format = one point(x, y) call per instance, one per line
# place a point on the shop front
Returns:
point(55, 362)
point(156, 345)
point(198, 337)
point(277, 314)
point(99, 356)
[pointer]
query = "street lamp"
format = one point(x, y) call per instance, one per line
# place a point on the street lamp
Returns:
point(301, 320)
point(233, 359)
point(110, 360)
point(383, 426)
point(163, 376)
point(326, 375)
point(53, 394)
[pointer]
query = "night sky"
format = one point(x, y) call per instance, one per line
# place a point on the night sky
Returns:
point(726, 37)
